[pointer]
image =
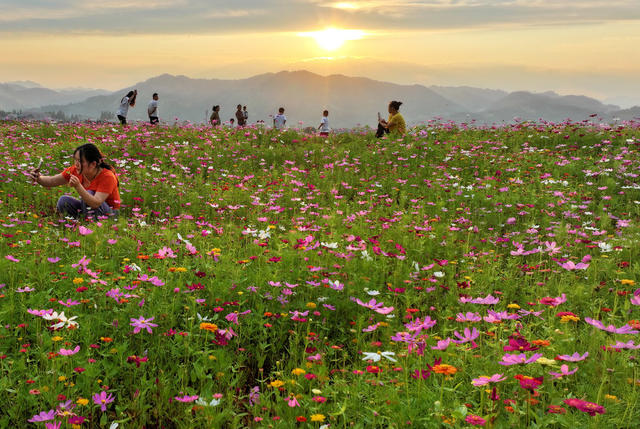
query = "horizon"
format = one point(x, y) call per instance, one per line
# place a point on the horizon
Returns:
point(581, 47)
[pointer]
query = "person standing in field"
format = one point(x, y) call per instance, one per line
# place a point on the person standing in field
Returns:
point(152, 109)
point(246, 115)
point(214, 119)
point(93, 179)
point(125, 102)
point(324, 124)
point(279, 121)
point(395, 123)
point(240, 116)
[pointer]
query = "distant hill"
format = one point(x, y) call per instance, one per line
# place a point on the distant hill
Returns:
point(351, 101)
point(27, 94)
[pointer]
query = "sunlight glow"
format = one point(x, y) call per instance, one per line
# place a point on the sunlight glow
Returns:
point(331, 39)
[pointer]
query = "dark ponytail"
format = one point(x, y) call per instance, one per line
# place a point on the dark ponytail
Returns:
point(395, 105)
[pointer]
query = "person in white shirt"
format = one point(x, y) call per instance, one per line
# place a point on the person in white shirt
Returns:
point(125, 102)
point(280, 120)
point(152, 109)
point(324, 124)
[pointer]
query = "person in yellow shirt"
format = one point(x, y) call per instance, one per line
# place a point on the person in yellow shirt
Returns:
point(395, 123)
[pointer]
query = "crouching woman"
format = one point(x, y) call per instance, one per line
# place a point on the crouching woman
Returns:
point(93, 179)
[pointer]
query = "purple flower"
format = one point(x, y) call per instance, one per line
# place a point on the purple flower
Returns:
point(483, 379)
point(43, 416)
point(626, 329)
point(102, 399)
point(564, 370)
point(488, 300)
point(576, 357)
point(468, 317)
point(378, 307)
point(628, 345)
point(404, 337)
point(54, 425)
point(469, 336)
point(53, 260)
point(515, 359)
point(418, 325)
point(142, 323)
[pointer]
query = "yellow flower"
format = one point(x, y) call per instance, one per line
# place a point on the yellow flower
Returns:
point(57, 338)
point(545, 361)
point(311, 305)
point(317, 417)
point(298, 371)
point(628, 282)
point(272, 227)
point(569, 318)
point(516, 306)
point(62, 378)
point(78, 280)
point(82, 401)
point(611, 398)
point(276, 383)
point(211, 327)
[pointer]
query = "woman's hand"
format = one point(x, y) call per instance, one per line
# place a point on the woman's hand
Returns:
point(35, 175)
point(74, 182)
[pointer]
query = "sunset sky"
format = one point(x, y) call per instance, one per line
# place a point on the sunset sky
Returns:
point(587, 46)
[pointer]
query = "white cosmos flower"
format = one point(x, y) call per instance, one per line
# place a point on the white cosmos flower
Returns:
point(376, 356)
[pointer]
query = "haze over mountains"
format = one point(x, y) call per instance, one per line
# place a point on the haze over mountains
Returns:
point(352, 101)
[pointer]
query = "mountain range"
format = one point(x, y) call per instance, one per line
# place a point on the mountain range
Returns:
point(352, 101)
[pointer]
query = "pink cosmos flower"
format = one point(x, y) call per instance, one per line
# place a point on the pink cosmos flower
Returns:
point(564, 370)
point(468, 317)
point(571, 266)
point(483, 380)
point(628, 345)
point(378, 307)
point(142, 323)
point(102, 399)
point(43, 416)
point(551, 248)
point(576, 357)
point(553, 302)
point(53, 260)
point(626, 329)
point(469, 336)
point(292, 401)
point(418, 324)
point(488, 300)
point(84, 231)
point(12, 258)
point(516, 359)
point(69, 352)
point(442, 344)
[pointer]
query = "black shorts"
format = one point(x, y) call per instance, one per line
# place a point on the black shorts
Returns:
point(153, 120)
point(123, 119)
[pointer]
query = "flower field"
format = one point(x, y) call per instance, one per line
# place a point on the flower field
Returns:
point(458, 277)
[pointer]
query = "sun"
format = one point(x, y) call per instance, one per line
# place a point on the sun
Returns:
point(331, 39)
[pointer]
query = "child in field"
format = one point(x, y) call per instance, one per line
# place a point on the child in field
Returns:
point(214, 119)
point(93, 179)
point(324, 124)
point(152, 109)
point(280, 120)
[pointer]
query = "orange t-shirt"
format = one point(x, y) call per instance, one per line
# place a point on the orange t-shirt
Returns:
point(105, 182)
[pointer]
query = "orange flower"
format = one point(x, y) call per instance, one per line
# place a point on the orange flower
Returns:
point(443, 368)
point(211, 327)
point(542, 343)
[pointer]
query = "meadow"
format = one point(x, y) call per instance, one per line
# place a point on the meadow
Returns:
point(461, 276)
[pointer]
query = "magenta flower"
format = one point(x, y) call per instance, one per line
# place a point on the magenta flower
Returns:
point(519, 344)
point(186, 398)
point(292, 401)
point(142, 323)
point(53, 260)
point(590, 408)
point(65, 352)
point(404, 337)
point(54, 425)
point(103, 399)
point(626, 329)
point(564, 370)
point(483, 379)
point(43, 416)
point(553, 302)
point(576, 357)
point(474, 420)
point(516, 359)
point(84, 231)
point(12, 258)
